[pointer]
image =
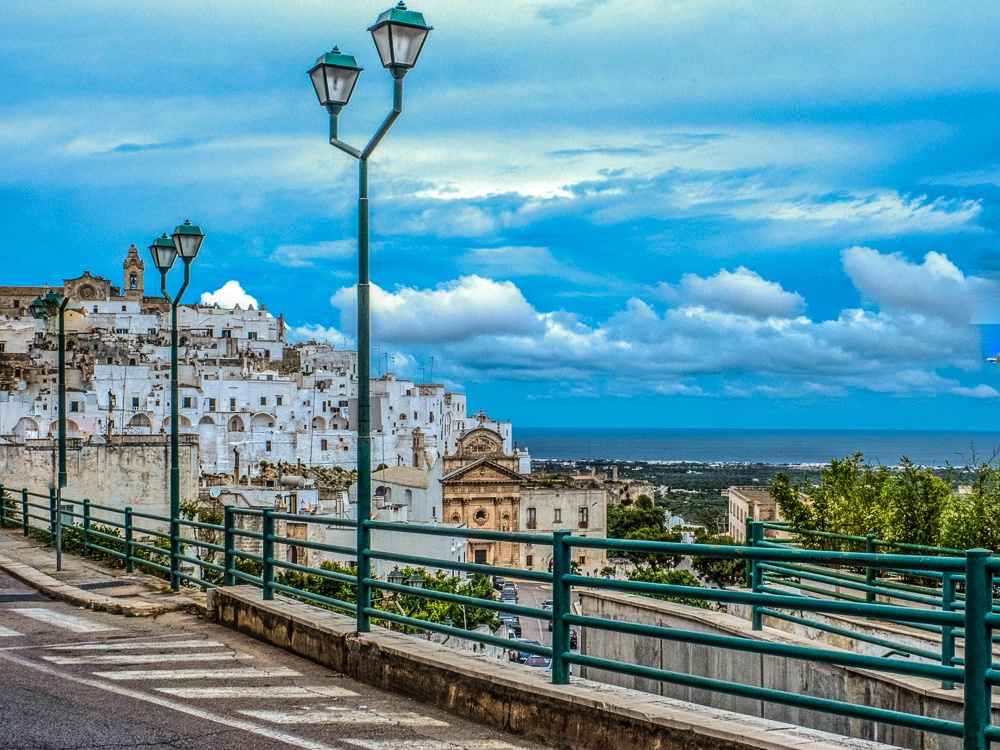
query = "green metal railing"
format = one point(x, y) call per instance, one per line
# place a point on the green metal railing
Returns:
point(948, 593)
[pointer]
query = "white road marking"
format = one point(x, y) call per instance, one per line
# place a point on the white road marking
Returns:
point(143, 658)
point(198, 674)
point(335, 715)
point(60, 620)
point(228, 721)
point(249, 691)
point(126, 645)
point(432, 745)
point(6, 632)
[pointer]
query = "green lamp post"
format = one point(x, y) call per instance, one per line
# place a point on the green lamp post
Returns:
point(399, 36)
point(50, 306)
point(185, 242)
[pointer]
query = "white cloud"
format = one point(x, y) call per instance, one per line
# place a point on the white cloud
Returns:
point(466, 308)
point(513, 261)
point(320, 333)
point(935, 287)
point(305, 256)
point(741, 291)
point(229, 296)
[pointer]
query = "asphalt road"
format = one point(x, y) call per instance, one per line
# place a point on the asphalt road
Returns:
point(72, 678)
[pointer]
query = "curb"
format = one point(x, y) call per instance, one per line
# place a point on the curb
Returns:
point(58, 590)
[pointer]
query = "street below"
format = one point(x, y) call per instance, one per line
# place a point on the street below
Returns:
point(74, 678)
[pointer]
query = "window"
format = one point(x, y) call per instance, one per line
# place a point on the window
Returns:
point(279, 400)
point(3, 346)
point(187, 402)
point(121, 331)
point(252, 335)
point(151, 331)
point(431, 417)
point(557, 515)
point(532, 521)
point(267, 445)
point(135, 402)
point(210, 331)
point(416, 416)
point(211, 404)
point(584, 516)
point(124, 308)
point(344, 403)
point(74, 406)
point(133, 281)
point(17, 303)
point(226, 333)
point(324, 444)
point(529, 561)
point(232, 404)
point(263, 400)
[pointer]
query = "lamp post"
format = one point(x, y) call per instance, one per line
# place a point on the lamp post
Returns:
point(399, 36)
point(185, 242)
point(43, 308)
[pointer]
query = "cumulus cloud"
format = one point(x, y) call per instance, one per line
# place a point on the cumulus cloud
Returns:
point(459, 310)
point(319, 333)
point(935, 287)
point(742, 292)
point(733, 334)
point(229, 296)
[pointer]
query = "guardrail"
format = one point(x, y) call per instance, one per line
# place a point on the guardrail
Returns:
point(783, 577)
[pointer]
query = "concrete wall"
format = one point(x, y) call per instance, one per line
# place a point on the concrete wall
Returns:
point(134, 473)
point(860, 687)
point(583, 715)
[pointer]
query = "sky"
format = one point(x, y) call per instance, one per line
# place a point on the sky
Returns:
point(614, 213)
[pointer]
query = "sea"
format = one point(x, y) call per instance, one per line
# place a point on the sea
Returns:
point(784, 447)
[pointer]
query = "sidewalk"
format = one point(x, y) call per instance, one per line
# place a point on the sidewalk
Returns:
point(89, 584)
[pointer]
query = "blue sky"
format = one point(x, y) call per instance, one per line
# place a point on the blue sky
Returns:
point(598, 213)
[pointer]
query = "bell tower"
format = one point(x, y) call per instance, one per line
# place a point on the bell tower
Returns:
point(134, 267)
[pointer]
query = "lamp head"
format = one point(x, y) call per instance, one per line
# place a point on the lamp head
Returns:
point(164, 253)
point(395, 576)
point(399, 36)
point(334, 76)
point(187, 241)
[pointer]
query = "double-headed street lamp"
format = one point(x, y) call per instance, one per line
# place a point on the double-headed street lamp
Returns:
point(399, 36)
point(185, 242)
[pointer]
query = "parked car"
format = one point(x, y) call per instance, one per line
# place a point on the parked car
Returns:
point(509, 588)
point(538, 662)
point(498, 582)
point(516, 654)
point(513, 623)
point(547, 604)
point(573, 640)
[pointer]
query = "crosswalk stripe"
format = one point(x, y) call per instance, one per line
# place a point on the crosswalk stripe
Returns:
point(7, 632)
point(128, 645)
point(345, 716)
point(249, 691)
point(143, 658)
point(199, 674)
point(61, 620)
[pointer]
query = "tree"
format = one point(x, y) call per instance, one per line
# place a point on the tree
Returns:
point(973, 520)
point(641, 521)
point(720, 572)
point(672, 577)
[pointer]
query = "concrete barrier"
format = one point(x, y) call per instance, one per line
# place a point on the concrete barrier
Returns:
point(584, 715)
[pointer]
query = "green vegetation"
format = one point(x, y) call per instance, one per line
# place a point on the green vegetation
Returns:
point(720, 572)
point(641, 521)
point(911, 505)
point(648, 574)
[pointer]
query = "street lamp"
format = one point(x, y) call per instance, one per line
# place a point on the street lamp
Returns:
point(185, 242)
point(399, 36)
point(416, 581)
point(395, 577)
point(44, 308)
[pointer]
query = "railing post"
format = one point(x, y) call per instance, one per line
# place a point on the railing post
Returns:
point(561, 567)
point(757, 577)
point(267, 552)
point(25, 518)
point(748, 541)
point(86, 527)
point(947, 631)
point(128, 540)
point(978, 649)
point(363, 591)
point(229, 542)
point(3, 506)
point(53, 501)
point(870, 572)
